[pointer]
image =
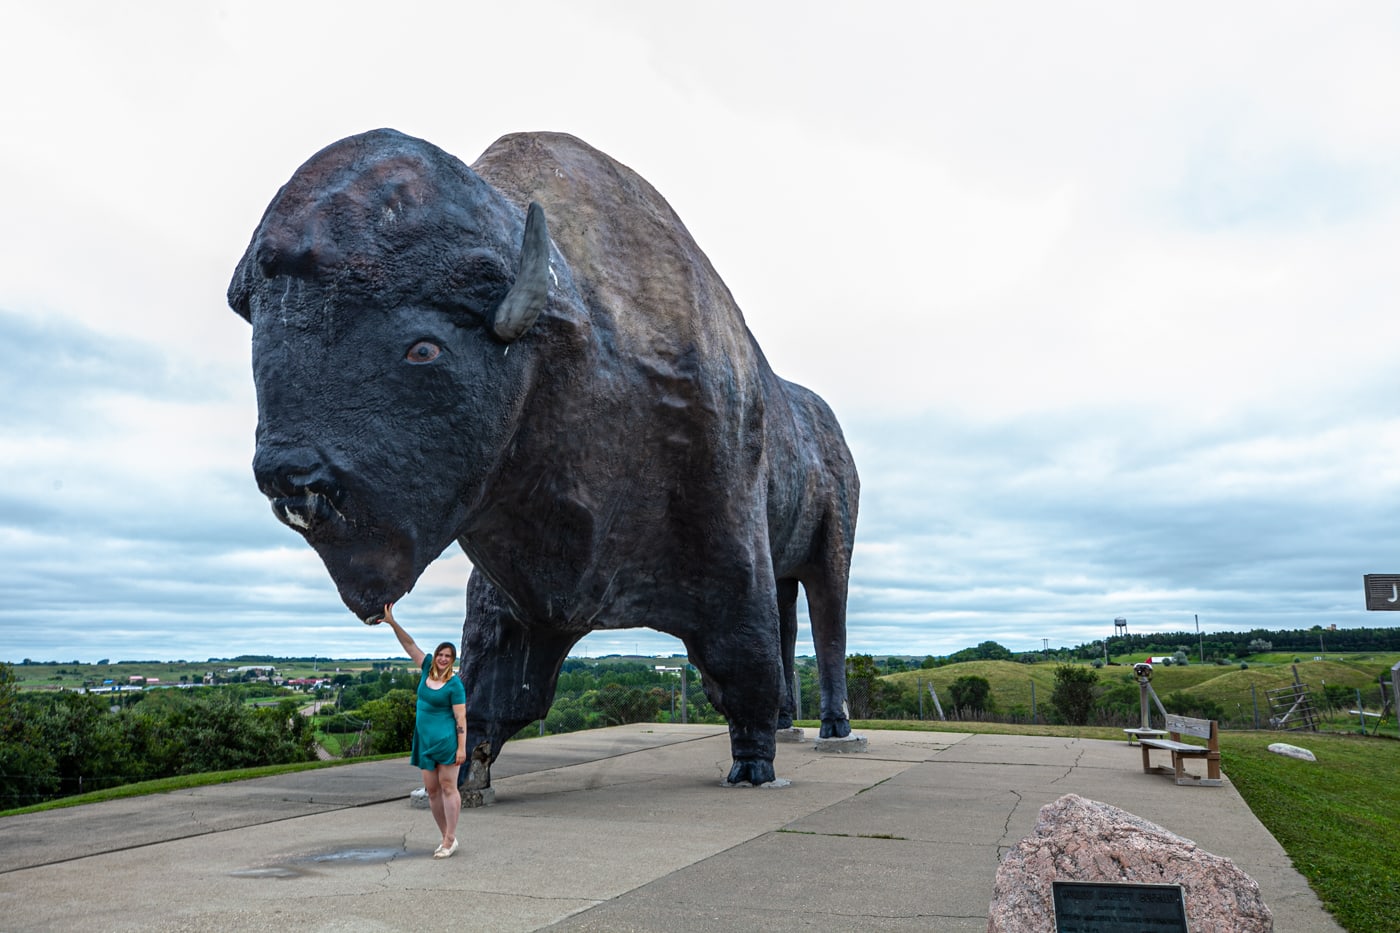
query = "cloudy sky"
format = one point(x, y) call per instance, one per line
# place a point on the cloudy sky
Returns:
point(1105, 295)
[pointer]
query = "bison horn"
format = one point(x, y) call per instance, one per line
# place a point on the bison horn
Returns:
point(528, 296)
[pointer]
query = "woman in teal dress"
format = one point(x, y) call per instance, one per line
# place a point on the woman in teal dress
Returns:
point(439, 732)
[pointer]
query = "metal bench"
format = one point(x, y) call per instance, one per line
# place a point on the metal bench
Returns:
point(1177, 726)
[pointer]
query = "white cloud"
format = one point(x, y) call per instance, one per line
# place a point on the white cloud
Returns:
point(1102, 294)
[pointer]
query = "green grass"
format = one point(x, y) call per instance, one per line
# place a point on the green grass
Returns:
point(336, 742)
point(1337, 818)
point(186, 781)
point(1011, 682)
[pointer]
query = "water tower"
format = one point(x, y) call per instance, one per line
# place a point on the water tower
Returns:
point(1120, 627)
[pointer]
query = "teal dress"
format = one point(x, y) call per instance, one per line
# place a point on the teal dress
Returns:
point(435, 728)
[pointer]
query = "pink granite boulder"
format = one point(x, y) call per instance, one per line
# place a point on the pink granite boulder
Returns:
point(1083, 840)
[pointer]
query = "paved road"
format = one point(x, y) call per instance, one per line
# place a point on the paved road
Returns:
point(611, 830)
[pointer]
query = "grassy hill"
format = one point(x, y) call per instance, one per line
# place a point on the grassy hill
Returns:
point(1234, 689)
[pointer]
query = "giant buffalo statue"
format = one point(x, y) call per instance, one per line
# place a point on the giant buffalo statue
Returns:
point(577, 402)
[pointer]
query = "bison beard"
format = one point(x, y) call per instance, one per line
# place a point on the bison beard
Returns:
point(533, 358)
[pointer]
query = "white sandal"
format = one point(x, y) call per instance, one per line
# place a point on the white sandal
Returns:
point(445, 851)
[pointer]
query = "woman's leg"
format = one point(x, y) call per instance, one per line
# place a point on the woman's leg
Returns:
point(450, 799)
point(434, 788)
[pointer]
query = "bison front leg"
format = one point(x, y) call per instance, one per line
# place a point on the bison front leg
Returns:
point(510, 670)
point(742, 672)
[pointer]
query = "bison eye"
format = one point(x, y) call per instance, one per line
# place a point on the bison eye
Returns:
point(423, 352)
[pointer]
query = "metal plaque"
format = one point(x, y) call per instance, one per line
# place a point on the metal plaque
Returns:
point(1382, 590)
point(1092, 907)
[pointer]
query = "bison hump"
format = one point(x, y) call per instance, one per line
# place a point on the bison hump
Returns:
point(634, 259)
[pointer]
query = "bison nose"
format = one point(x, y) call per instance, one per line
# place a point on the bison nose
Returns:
point(303, 490)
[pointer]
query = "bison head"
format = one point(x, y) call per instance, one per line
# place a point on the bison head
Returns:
point(385, 284)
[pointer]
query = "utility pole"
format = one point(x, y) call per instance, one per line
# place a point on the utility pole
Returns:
point(1201, 638)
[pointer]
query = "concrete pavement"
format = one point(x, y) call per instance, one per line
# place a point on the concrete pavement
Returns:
point(616, 829)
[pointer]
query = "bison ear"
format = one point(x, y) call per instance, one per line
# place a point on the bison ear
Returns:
point(528, 296)
point(240, 288)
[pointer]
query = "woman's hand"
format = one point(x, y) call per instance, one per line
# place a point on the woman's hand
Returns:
point(461, 756)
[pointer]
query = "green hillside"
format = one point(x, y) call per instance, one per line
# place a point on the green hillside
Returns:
point(1234, 690)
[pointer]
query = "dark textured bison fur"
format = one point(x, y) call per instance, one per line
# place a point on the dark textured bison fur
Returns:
point(531, 357)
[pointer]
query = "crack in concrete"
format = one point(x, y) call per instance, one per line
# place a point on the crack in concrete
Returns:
point(194, 818)
point(872, 786)
point(812, 832)
point(1070, 770)
point(1002, 846)
point(389, 864)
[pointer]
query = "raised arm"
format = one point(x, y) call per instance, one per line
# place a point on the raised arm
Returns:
point(414, 652)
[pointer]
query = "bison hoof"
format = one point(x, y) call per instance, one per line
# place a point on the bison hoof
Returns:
point(784, 720)
point(835, 728)
point(751, 771)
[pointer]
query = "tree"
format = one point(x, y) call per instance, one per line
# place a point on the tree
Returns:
point(28, 773)
point(1073, 697)
point(391, 717)
point(862, 685)
point(986, 651)
point(971, 694)
point(621, 705)
point(992, 651)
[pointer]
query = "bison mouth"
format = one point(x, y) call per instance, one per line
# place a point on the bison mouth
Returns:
point(370, 566)
point(369, 572)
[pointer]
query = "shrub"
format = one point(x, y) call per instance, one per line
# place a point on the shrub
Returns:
point(391, 720)
point(1183, 704)
point(971, 694)
point(1073, 697)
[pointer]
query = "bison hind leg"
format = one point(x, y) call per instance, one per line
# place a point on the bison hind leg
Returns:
point(753, 771)
point(835, 727)
point(787, 633)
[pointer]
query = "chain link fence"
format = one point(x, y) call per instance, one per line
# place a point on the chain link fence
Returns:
point(617, 705)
